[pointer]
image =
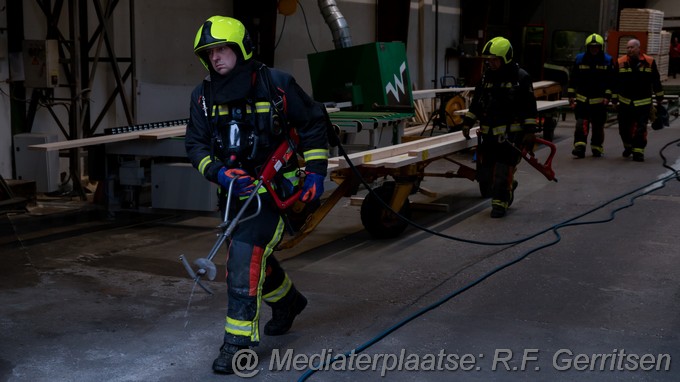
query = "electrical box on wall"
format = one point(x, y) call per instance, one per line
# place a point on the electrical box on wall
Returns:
point(41, 63)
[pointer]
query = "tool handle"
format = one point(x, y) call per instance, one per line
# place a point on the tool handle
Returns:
point(544, 168)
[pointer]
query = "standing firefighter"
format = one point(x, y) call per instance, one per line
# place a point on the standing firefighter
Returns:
point(505, 106)
point(589, 94)
point(239, 115)
point(637, 82)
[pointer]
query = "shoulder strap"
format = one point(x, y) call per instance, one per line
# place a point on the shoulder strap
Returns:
point(276, 95)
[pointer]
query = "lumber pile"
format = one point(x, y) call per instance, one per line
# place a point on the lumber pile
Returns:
point(637, 19)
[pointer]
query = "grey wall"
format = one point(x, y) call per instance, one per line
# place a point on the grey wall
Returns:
point(671, 9)
point(167, 70)
point(592, 17)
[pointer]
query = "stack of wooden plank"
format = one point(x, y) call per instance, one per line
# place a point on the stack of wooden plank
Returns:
point(642, 20)
point(637, 19)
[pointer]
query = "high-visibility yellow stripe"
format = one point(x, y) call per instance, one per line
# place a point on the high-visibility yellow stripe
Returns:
point(278, 293)
point(500, 203)
point(262, 107)
point(642, 102)
point(268, 249)
point(203, 164)
point(221, 110)
point(624, 100)
point(239, 327)
point(316, 154)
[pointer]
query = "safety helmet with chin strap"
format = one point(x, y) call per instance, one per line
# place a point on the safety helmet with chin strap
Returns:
point(498, 47)
point(594, 39)
point(219, 30)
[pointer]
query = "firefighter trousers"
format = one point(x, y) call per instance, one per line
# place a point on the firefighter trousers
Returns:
point(253, 274)
point(588, 116)
point(633, 127)
point(498, 160)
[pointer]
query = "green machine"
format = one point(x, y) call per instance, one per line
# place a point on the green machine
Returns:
point(369, 76)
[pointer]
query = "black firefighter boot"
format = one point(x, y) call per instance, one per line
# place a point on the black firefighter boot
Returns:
point(223, 363)
point(284, 312)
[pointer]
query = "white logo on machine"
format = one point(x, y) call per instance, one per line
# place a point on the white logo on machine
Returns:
point(398, 83)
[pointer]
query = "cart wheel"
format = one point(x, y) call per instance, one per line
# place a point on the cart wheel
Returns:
point(379, 221)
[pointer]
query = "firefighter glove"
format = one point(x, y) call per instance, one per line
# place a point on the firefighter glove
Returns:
point(312, 188)
point(243, 183)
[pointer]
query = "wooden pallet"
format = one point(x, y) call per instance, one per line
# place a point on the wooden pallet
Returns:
point(638, 19)
point(662, 62)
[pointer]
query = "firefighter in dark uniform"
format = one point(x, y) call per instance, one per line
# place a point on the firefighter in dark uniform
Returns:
point(505, 106)
point(239, 115)
point(589, 94)
point(637, 82)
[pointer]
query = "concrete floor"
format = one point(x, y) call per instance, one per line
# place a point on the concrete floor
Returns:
point(89, 297)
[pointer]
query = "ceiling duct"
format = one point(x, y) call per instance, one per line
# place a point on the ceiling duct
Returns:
point(336, 21)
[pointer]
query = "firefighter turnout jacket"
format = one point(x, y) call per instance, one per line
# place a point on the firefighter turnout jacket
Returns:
point(637, 81)
point(504, 102)
point(239, 119)
point(591, 78)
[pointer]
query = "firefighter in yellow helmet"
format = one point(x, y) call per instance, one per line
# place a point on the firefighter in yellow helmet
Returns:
point(239, 114)
point(589, 94)
point(505, 106)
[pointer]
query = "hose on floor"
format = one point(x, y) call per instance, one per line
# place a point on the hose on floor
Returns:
point(632, 195)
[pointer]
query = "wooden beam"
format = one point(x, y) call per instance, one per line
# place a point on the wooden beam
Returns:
point(160, 133)
point(406, 152)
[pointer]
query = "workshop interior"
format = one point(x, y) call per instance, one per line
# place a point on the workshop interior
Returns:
point(94, 106)
point(81, 71)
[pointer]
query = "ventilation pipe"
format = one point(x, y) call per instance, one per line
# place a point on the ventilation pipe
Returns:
point(335, 20)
